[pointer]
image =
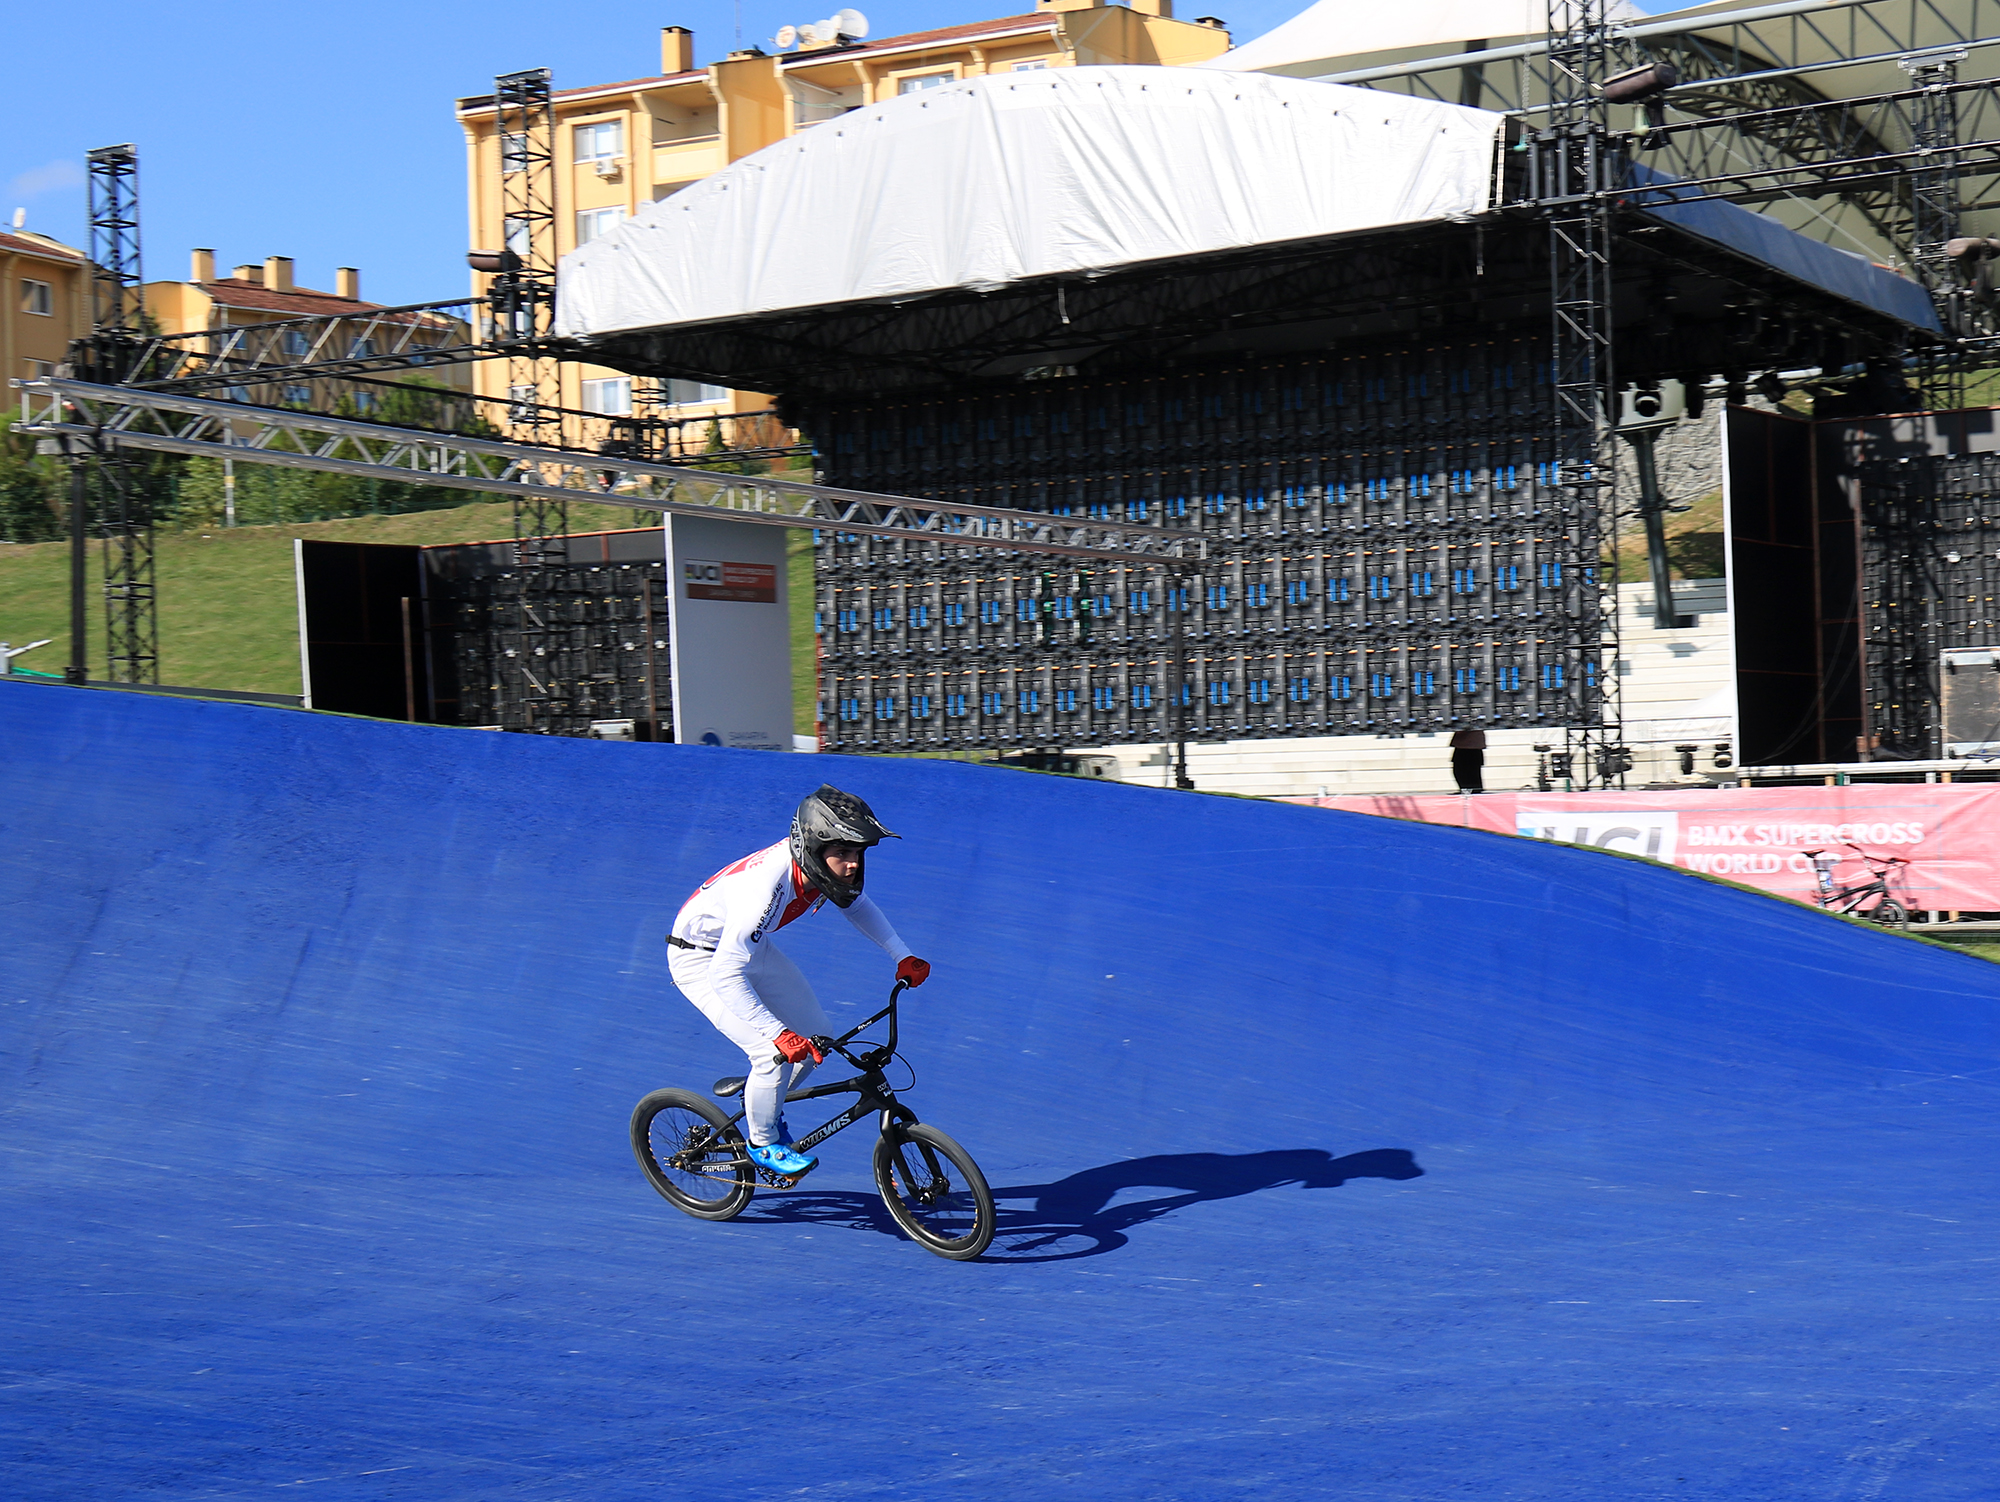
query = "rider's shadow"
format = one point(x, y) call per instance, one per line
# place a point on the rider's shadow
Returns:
point(1084, 1214)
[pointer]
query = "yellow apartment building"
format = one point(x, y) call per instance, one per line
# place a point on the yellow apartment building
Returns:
point(622, 145)
point(45, 304)
point(270, 293)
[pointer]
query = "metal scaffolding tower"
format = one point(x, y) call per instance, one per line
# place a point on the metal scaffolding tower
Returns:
point(524, 297)
point(1575, 163)
point(106, 480)
point(1934, 212)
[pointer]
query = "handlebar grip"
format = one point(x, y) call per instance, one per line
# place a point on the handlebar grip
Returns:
point(821, 1041)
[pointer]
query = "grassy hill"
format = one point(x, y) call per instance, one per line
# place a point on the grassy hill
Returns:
point(228, 607)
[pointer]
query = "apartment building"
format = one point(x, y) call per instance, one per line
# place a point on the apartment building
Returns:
point(622, 145)
point(44, 305)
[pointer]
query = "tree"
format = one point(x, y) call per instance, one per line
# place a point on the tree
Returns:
point(31, 489)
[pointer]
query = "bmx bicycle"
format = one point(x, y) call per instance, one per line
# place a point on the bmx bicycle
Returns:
point(1888, 911)
point(697, 1159)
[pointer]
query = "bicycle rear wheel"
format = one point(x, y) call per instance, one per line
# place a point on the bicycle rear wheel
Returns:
point(1890, 913)
point(691, 1154)
point(935, 1190)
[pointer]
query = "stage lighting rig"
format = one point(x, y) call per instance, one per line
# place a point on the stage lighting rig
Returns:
point(1643, 86)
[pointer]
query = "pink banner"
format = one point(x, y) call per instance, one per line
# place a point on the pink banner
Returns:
point(1950, 833)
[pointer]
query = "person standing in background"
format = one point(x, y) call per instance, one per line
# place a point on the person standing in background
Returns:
point(1468, 760)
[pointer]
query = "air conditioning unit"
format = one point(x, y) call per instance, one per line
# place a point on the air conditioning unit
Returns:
point(610, 166)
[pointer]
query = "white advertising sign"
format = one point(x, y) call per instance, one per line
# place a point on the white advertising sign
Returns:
point(730, 635)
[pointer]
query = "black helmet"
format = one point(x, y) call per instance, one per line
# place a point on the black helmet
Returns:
point(831, 817)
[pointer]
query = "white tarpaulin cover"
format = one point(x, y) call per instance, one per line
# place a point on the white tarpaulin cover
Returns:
point(1017, 175)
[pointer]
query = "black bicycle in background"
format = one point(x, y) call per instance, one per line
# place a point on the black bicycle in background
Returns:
point(1886, 911)
point(696, 1157)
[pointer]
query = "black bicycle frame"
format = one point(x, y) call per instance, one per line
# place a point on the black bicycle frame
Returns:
point(871, 1084)
point(1879, 884)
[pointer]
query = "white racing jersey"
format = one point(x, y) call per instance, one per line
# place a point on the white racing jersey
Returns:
point(740, 907)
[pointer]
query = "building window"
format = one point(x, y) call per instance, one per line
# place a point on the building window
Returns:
point(922, 81)
point(600, 142)
point(298, 396)
point(693, 393)
point(591, 223)
point(1031, 64)
point(611, 396)
point(38, 297)
point(522, 402)
point(520, 236)
point(513, 152)
point(41, 370)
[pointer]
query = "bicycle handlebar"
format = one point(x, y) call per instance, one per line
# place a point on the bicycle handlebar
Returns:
point(1887, 860)
point(828, 1045)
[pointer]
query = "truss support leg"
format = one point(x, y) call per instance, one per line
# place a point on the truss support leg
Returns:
point(131, 605)
point(78, 668)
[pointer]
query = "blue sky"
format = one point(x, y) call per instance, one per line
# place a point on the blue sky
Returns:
point(325, 132)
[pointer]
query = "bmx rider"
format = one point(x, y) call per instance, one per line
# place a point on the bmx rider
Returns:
point(725, 962)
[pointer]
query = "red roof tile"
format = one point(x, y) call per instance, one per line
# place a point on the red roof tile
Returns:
point(300, 302)
point(34, 246)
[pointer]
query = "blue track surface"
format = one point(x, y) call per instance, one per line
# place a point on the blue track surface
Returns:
point(1337, 1157)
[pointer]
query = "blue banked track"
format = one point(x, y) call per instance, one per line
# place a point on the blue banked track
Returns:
point(1336, 1157)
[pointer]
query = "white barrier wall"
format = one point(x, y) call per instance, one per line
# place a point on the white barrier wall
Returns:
point(731, 637)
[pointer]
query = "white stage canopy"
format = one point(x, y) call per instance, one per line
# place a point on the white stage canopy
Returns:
point(1017, 175)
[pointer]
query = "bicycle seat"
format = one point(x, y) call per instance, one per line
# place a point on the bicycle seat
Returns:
point(730, 1085)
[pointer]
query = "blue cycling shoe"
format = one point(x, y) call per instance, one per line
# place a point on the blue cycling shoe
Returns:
point(777, 1158)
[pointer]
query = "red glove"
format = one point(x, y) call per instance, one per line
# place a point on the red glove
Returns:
point(796, 1050)
point(913, 970)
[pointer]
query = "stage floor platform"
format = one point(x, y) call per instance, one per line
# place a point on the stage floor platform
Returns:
point(1337, 1157)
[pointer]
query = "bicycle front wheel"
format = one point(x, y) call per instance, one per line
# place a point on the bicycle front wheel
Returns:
point(935, 1190)
point(1890, 913)
point(692, 1155)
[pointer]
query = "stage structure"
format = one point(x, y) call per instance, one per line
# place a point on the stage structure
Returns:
point(1880, 528)
point(475, 635)
point(1402, 392)
point(1383, 402)
point(431, 634)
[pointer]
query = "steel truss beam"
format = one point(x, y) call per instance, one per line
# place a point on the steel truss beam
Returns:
point(1760, 79)
point(166, 423)
point(411, 337)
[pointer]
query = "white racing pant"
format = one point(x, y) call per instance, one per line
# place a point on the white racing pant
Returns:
point(787, 1001)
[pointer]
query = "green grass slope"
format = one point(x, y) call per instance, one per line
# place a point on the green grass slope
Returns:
point(227, 602)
